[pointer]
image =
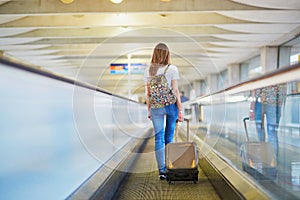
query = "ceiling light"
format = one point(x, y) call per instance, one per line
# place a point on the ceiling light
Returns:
point(165, 0)
point(116, 1)
point(67, 1)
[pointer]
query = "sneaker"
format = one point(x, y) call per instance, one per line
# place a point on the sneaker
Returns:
point(162, 176)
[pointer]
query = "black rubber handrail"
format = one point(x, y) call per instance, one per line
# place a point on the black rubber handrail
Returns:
point(264, 76)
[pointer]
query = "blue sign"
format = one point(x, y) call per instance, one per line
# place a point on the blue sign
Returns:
point(122, 68)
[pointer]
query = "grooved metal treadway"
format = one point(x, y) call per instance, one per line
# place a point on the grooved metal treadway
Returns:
point(146, 185)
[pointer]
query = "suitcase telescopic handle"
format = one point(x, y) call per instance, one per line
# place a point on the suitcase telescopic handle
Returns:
point(187, 132)
point(188, 129)
point(245, 126)
point(176, 131)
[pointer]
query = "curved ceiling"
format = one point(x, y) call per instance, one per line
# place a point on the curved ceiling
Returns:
point(80, 40)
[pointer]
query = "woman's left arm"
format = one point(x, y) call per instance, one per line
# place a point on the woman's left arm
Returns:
point(147, 92)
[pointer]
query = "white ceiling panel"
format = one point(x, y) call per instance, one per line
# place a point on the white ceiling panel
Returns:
point(278, 4)
point(8, 18)
point(11, 41)
point(249, 37)
point(260, 28)
point(265, 16)
point(31, 52)
point(4, 32)
point(22, 47)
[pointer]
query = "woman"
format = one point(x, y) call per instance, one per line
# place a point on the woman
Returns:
point(160, 64)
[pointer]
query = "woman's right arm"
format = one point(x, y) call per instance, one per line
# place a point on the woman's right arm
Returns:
point(178, 101)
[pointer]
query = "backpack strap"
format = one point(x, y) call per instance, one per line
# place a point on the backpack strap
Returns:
point(166, 69)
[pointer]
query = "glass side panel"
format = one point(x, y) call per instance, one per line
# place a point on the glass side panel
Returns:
point(54, 135)
point(258, 131)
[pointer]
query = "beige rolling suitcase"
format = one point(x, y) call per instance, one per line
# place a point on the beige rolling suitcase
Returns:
point(258, 158)
point(182, 159)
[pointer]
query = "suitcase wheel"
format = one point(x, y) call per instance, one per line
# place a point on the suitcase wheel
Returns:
point(195, 179)
point(168, 179)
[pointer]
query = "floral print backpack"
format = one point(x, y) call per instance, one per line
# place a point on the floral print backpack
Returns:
point(161, 94)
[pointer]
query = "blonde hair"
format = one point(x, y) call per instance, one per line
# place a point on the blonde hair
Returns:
point(160, 58)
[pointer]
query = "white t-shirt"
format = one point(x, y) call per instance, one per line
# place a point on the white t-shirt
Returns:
point(171, 74)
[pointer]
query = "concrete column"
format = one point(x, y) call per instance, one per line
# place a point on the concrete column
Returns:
point(269, 58)
point(197, 87)
point(212, 83)
point(233, 74)
point(284, 56)
point(203, 86)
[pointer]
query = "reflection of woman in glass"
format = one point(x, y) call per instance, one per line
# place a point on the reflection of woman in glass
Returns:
point(268, 101)
point(294, 90)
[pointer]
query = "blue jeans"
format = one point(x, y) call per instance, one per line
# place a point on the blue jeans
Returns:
point(163, 134)
point(272, 113)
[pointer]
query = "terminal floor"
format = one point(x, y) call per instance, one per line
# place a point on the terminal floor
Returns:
point(146, 185)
